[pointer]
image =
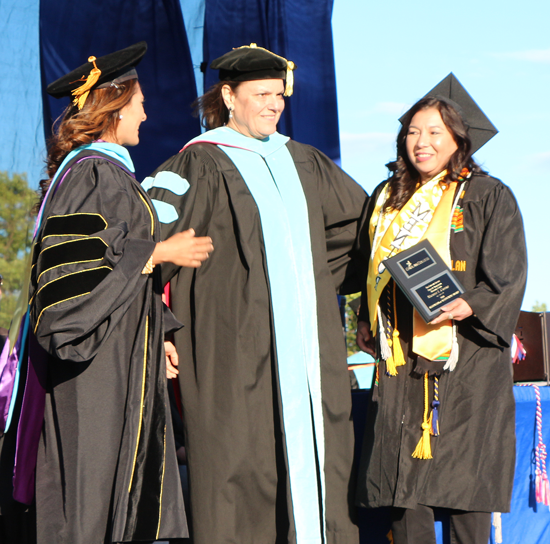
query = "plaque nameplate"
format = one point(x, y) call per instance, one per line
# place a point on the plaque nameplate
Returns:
point(424, 277)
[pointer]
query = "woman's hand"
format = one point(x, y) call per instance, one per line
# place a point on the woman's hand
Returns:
point(458, 310)
point(172, 360)
point(183, 249)
point(365, 340)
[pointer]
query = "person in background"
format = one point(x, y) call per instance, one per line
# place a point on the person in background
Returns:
point(16, 521)
point(264, 380)
point(106, 469)
point(3, 331)
point(440, 429)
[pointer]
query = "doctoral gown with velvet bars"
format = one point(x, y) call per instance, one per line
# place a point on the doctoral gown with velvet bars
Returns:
point(106, 468)
point(228, 369)
point(473, 458)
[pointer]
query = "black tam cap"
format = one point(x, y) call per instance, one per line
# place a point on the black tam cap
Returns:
point(480, 128)
point(250, 62)
point(104, 71)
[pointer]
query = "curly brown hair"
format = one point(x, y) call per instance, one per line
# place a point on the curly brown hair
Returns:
point(211, 108)
point(74, 128)
point(404, 177)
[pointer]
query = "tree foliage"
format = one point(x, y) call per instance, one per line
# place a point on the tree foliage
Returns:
point(16, 223)
point(351, 325)
point(539, 307)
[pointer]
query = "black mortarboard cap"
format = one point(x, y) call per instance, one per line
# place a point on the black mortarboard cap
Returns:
point(250, 62)
point(481, 130)
point(114, 67)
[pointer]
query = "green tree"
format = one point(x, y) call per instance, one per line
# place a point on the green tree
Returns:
point(351, 325)
point(16, 203)
point(539, 307)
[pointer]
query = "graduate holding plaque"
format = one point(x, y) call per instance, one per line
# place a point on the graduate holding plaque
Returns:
point(440, 429)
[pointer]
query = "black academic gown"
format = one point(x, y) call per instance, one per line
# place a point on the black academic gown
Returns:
point(228, 369)
point(473, 458)
point(106, 468)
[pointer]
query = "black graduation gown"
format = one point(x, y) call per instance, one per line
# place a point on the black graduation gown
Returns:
point(106, 468)
point(473, 458)
point(235, 442)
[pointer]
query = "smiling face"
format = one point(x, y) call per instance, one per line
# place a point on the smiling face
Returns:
point(256, 106)
point(429, 143)
point(133, 114)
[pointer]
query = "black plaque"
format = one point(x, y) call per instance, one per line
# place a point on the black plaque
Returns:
point(424, 277)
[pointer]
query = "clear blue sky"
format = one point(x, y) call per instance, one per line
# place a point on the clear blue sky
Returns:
point(388, 55)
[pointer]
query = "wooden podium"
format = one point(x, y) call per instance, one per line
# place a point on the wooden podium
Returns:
point(533, 330)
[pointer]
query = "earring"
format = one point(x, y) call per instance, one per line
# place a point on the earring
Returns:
point(231, 113)
point(120, 116)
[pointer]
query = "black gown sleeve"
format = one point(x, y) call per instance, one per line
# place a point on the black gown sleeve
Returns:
point(171, 324)
point(343, 202)
point(365, 248)
point(501, 271)
point(95, 239)
point(187, 199)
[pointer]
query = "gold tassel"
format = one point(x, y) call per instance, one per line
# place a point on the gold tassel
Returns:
point(398, 357)
point(389, 536)
point(290, 67)
point(390, 366)
point(423, 449)
point(81, 93)
point(148, 268)
point(289, 89)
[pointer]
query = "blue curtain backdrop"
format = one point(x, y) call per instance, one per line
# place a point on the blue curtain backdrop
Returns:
point(299, 30)
point(21, 131)
point(43, 39)
point(71, 31)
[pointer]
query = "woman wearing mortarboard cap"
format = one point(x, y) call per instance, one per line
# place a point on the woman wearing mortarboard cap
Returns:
point(265, 389)
point(105, 460)
point(440, 428)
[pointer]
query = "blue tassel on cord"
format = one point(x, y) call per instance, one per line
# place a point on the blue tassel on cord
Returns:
point(435, 418)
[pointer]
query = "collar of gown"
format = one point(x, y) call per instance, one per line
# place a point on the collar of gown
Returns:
point(226, 136)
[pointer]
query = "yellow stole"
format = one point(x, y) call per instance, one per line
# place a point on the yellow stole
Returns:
point(427, 214)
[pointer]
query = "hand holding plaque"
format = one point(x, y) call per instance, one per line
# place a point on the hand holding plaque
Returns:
point(425, 279)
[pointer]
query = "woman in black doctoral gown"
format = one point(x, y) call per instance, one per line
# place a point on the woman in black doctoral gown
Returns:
point(440, 427)
point(105, 460)
point(265, 387)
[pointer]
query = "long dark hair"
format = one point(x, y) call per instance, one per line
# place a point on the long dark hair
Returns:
point(211, 108)
point(74, 128)
point(404, 177)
